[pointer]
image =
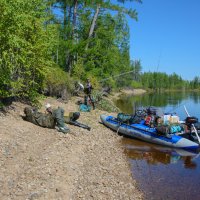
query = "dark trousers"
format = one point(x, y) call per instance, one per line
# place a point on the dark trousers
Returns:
point(91, 100)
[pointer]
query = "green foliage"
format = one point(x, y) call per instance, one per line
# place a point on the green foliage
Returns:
point(106, 105)
point(136, 85)
point(160, 81)
point(103, 103)
point(195, 83)
point(78, 71)
point(25, 49)
point(56, 81)
point(107, 52)
point(42, 49)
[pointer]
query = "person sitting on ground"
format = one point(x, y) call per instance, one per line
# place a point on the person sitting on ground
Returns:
point(88, 92)
point(58, 115)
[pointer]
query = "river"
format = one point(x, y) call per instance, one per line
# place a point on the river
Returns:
point(164, 173)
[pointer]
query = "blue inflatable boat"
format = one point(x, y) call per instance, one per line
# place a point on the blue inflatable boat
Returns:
point(145, 133)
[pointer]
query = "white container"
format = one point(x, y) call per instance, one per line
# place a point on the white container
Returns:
point(167, 119)
point(174, 119)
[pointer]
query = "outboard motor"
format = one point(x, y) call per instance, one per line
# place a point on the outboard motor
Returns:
point(191, 120)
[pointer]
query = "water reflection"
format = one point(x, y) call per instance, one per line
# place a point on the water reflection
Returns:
point(155, 154)
point(173, 99)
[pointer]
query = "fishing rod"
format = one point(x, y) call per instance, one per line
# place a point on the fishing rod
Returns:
point(117, 75)
point(81, 87)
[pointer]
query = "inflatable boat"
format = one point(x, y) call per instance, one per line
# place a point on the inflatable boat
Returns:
point(145, 133)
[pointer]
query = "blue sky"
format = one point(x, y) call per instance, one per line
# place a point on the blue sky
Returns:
point(166, 37)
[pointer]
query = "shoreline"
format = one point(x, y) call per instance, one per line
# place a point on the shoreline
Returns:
point(40, 163)
point(128, 92)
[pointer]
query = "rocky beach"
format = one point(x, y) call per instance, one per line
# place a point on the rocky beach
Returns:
point(40, 163)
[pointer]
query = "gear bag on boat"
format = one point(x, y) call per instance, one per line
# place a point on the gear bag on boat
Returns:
point(166, 129)
point(175, 128)
point(163, 130)
point(124, 118)
point(129, 119)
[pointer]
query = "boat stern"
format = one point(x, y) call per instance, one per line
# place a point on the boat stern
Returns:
point(187, 144)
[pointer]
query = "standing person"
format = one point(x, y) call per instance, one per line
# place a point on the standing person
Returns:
point(88, 92)
point(58, 115)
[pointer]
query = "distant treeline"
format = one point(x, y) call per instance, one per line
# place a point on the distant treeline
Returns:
point(163, 81)
point(48, 45)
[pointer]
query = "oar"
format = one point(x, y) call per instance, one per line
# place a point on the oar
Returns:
point(195, 130)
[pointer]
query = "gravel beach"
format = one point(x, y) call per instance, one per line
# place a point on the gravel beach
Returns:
point(40, 163)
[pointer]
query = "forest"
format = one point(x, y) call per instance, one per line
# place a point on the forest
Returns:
point(47, 46)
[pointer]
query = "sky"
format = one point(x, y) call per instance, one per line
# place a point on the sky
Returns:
point(166, 37)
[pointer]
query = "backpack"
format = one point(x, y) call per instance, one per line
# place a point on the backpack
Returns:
point(84, 108)
point(74, 116)
point(124, 118)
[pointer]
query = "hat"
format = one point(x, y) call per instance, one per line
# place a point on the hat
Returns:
point(48, 105)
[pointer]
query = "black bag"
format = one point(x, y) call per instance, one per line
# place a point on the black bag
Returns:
point(74, 116)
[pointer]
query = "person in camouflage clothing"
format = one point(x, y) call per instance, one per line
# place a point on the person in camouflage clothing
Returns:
point(38, 118)
point(54, 118)
point(58, 115)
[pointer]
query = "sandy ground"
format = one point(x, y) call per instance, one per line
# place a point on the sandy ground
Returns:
point(40, 163)
point(128, 92)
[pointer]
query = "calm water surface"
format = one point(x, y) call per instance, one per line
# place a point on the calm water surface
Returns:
point(162, 172)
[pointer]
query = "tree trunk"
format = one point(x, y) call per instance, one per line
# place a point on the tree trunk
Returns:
point(68, 61)
point(74, 20)
point(65, 15)
point(93, 24)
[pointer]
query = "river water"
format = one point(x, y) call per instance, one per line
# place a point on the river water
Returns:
point(164, 173)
